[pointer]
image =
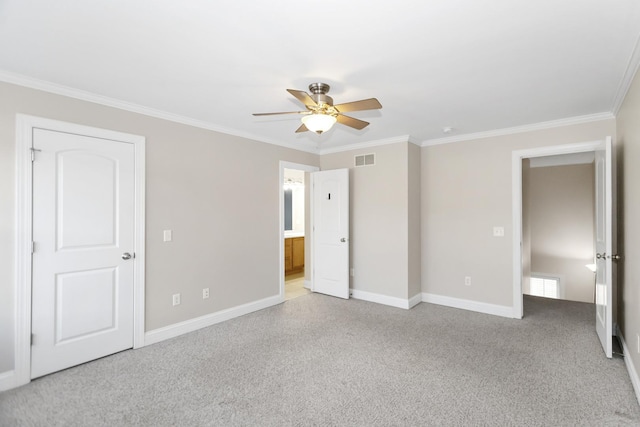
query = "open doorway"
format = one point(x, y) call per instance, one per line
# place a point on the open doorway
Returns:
point(294, 230)
point(294, 233)
point(605, 232)
point(558, 222)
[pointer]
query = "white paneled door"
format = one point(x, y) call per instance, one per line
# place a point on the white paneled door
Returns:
point(331, 232)
point(83, 233)
point(605, 229)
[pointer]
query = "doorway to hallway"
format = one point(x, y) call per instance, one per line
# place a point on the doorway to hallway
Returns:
point(604, 226)
point(558, 212)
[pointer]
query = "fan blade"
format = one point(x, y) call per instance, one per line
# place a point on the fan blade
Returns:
point(286, 112)
point(302, 128)
point(351, 122)
point(303, 97)
point(365, 104)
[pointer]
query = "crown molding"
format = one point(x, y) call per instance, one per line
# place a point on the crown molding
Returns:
point(376, 143)
point(45, 86)
point(520, 129)
point(627, 78)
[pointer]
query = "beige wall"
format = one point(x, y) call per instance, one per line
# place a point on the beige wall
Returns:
point(466, 190)
point(561, 215)
point(378, 218)
point(415, 223)
point(7, 227)
point(218, 193)
point(628, 144)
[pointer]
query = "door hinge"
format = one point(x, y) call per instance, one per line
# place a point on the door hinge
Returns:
point(33, 153)
point(32, 339)
point(33, 247)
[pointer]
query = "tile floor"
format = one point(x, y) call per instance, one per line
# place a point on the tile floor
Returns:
point(294, 286)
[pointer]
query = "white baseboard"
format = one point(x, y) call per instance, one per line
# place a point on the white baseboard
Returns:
point(307, 284)
point(633, 374)
point(7, 380)
point(480, 307)
point(415, 300)
point(383, 299)
point(187, 326)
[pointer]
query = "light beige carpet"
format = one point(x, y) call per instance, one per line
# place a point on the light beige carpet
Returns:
point(322, 361)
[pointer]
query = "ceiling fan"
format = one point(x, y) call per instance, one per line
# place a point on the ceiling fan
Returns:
point(321, 114)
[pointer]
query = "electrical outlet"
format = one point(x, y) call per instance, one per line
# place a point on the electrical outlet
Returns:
point(498, 231)
point(467, 280)
point(167, 235)
point(205, 293)
point(176, 299)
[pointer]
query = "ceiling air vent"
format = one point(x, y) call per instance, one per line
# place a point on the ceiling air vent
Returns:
point(365, 160)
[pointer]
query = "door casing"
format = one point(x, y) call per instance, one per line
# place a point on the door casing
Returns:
point(23, 232)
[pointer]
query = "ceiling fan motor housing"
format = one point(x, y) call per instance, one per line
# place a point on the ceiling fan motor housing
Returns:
point(319, 93)
point(319, 88)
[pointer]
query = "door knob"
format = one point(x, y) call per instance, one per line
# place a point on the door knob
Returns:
point(601, 256)
point(126, 255)
point(616, 257)
point(343, 240)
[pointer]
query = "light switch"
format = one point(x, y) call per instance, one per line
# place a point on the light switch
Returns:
point(498, 231)
point(167, 235)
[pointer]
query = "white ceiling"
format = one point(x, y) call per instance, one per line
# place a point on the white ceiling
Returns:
point(472, 65)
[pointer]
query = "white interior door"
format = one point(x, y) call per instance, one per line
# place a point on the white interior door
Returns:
point(605, 227)
point(331, 232)
point(83, 229)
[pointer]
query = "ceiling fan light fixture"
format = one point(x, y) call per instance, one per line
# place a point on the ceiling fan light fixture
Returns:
point(318, 122)
point(321, 114)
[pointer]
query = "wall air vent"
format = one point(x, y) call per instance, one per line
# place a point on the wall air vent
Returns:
point(365, 160)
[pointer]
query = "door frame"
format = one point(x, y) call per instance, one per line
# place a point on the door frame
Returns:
point(516, 167)
point(24, 225)
point(308, 227)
